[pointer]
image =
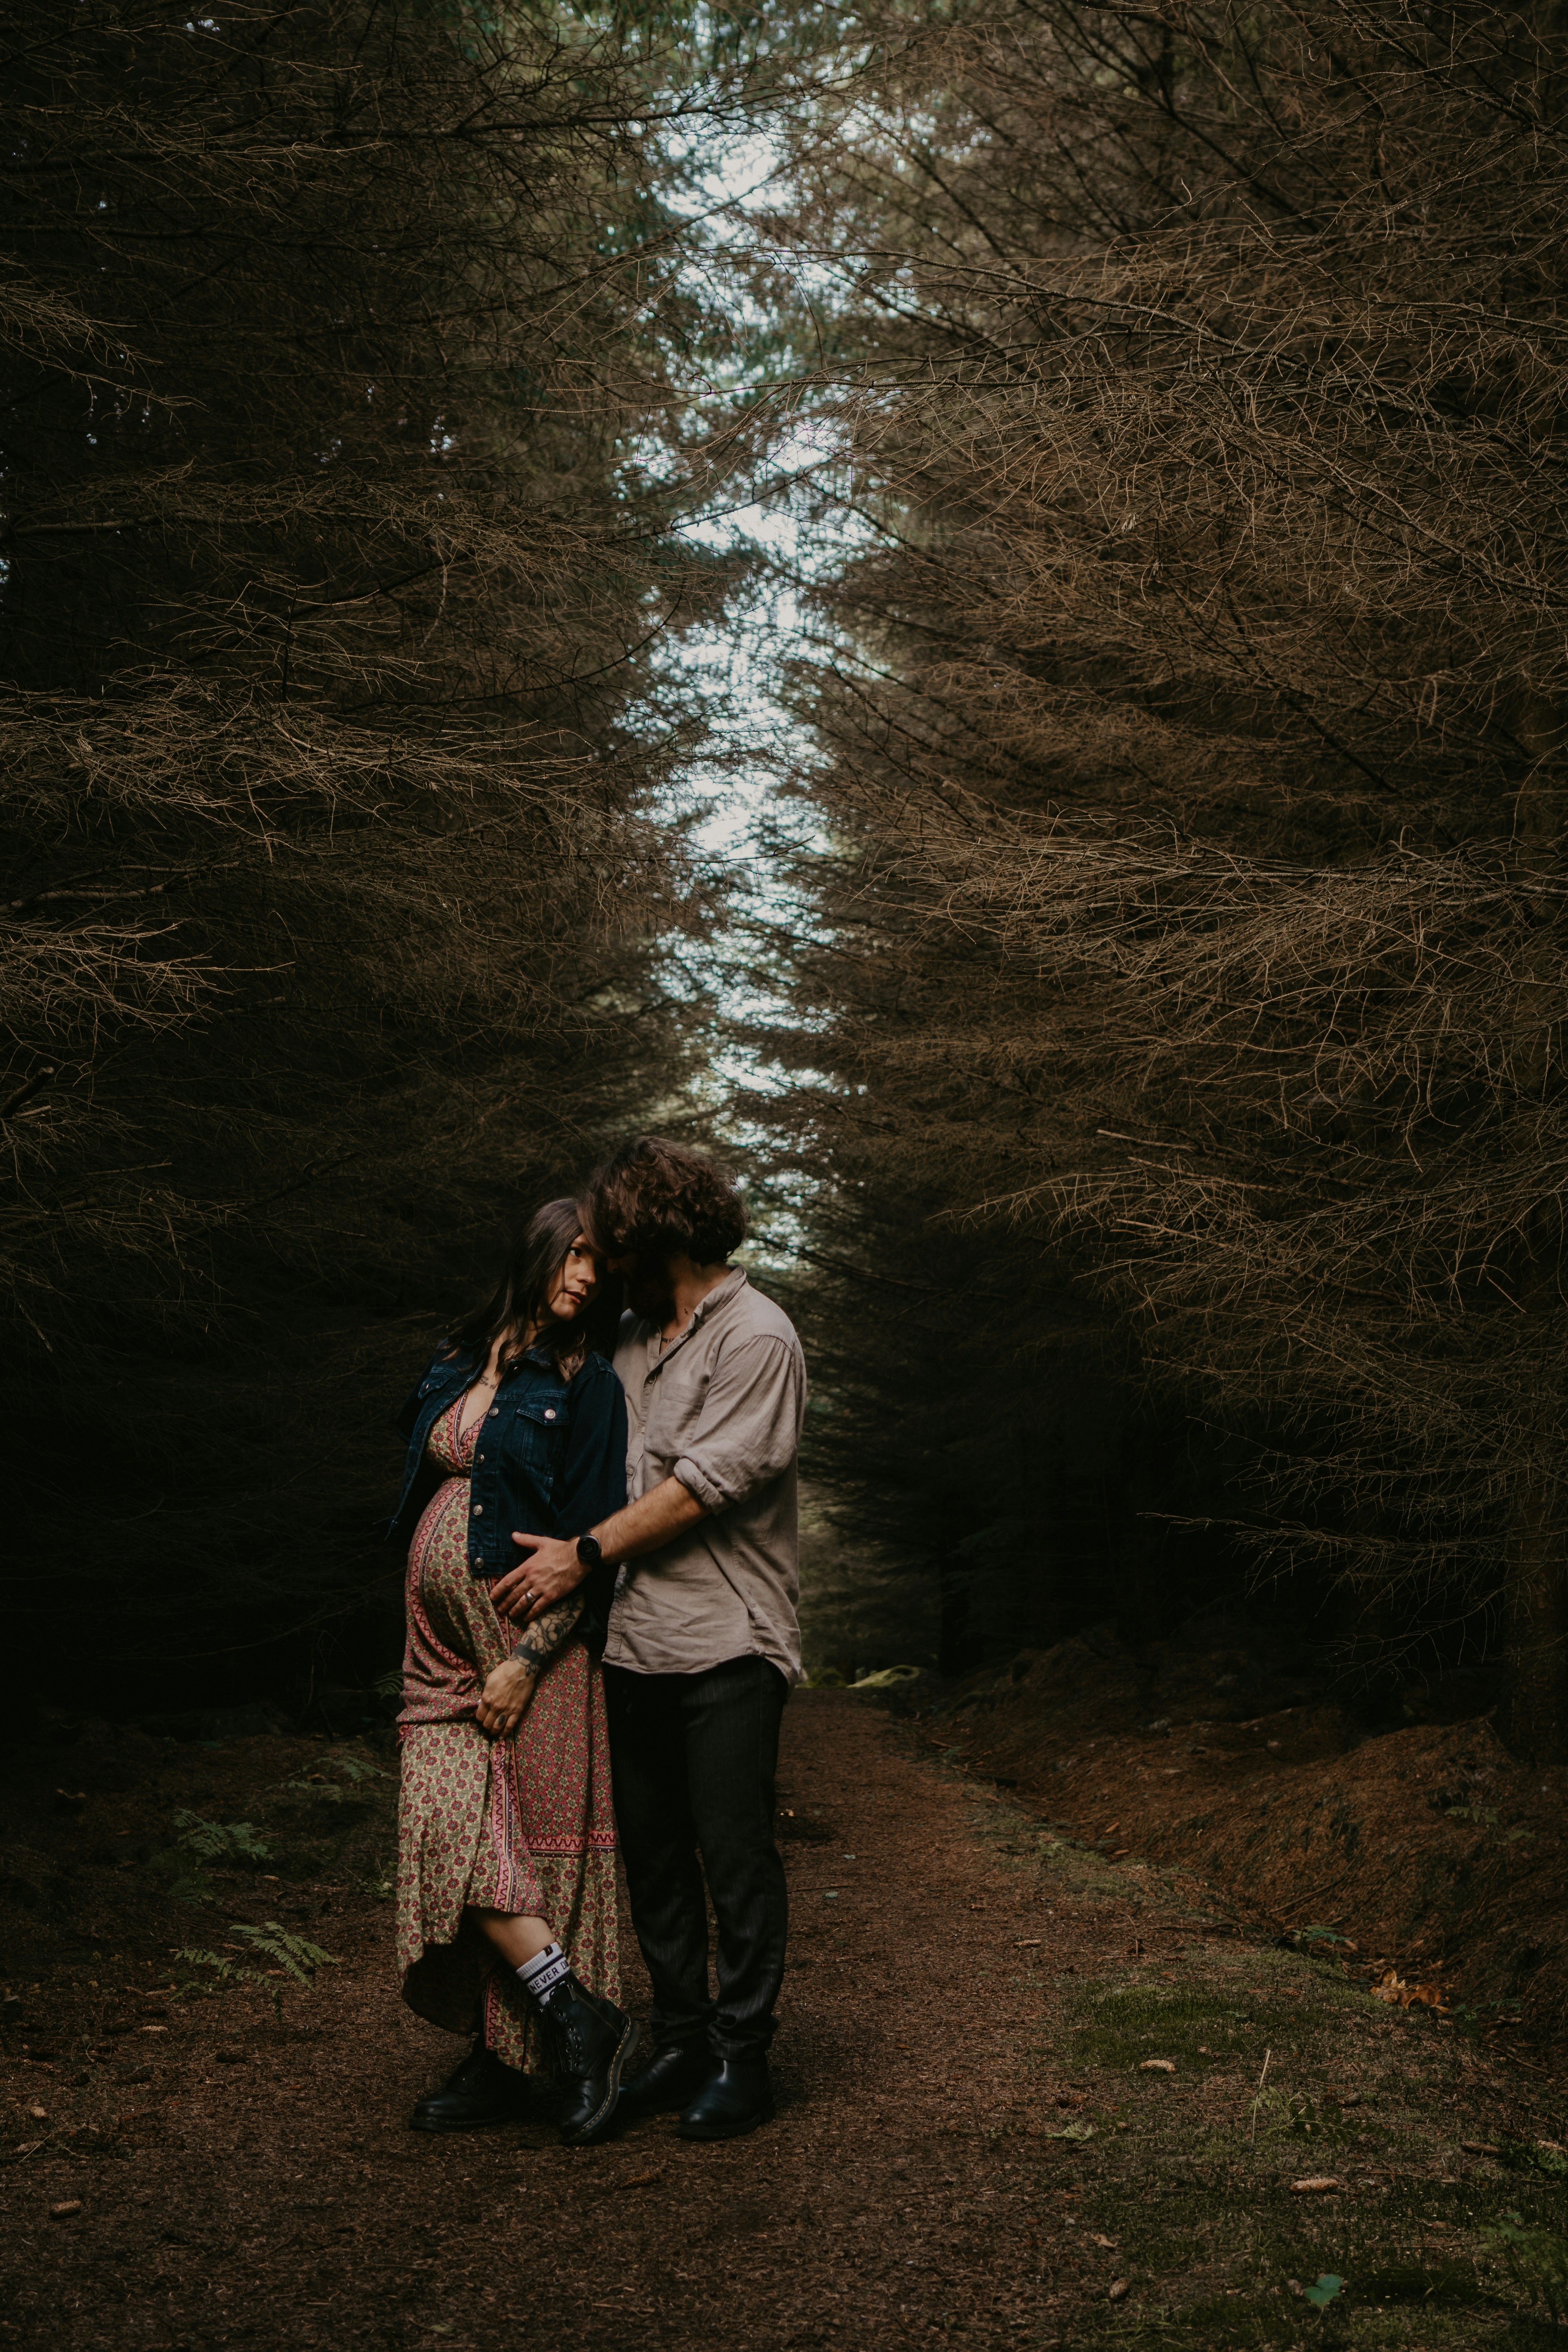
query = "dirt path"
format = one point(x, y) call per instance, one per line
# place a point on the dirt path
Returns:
point(970, 2144)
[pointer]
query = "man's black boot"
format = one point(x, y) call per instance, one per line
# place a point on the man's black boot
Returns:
point(673, 2076)
point(736, 2097)
point(590, 2041)
point(479, 2093)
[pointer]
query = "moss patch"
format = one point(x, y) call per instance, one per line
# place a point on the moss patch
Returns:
point(1270, 2068)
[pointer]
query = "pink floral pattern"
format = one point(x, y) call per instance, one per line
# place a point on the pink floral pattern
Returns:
point(522, 1824)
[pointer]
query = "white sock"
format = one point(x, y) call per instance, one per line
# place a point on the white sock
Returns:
point(545, 1971)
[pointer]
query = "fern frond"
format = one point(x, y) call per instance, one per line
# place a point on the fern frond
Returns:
point(355, 1770)
point(294, 1954)
point(206, 1842)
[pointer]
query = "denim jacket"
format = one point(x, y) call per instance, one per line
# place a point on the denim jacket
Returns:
point(550, 1457)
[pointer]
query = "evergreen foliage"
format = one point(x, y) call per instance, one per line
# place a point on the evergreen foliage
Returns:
point(343, 395)
point(1191, 723)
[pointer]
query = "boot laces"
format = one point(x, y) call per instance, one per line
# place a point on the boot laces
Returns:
point(570, 2026)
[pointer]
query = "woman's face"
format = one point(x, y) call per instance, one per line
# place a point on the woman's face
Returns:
point(578, 1279)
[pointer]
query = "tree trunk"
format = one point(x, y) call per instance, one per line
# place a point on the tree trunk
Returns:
point(955, 1652)
point(1534, 1717)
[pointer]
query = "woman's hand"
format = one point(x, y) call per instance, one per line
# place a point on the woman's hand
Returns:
point(507, 1691)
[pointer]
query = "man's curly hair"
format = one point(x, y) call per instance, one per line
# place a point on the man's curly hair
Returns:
point(662, 1201)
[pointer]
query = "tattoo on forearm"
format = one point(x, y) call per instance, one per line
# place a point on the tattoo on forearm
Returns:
point(538, 1642)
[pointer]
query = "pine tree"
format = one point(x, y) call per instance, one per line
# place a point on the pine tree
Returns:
point(344, 440)
point(1191, 744)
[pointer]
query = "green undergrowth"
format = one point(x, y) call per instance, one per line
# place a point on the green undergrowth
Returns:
point(340, 1811)
point(1213, 2074)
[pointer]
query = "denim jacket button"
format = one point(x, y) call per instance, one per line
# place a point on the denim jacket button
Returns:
point(549, 1413)
point(495, 1413)
point(481, 1457)
point(478, 1510)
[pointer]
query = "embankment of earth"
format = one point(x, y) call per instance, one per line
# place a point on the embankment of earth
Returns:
point(1428, 1849)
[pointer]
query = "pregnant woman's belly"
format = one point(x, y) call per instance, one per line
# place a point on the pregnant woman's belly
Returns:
point(455, 1636)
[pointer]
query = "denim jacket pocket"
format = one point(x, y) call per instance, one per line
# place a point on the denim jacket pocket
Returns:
point(532, 1439)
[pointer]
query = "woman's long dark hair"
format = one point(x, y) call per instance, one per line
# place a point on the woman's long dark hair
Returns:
point(522, 1296)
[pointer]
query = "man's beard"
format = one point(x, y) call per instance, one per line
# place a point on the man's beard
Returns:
point(649, 1290)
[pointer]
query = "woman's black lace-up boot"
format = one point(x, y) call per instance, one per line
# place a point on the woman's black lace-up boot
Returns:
point(590, 2041)
point(480, 2093)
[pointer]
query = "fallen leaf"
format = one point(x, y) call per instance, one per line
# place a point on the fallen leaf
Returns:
point(1096, 2239)
point(1479, 2147)
point(39, 2115)
point(1391, 1986)
point(1027, 1943)
point(1314, 2185)
point(63, 2213)
point(1072, 2131)
point(151, 2029)
point(1117, 2289)
point(1158, 2066)
point(639, 2181)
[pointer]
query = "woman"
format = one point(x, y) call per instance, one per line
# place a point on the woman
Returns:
point(506, 1840)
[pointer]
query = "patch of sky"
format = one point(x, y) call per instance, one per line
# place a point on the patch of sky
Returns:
point(740, 792)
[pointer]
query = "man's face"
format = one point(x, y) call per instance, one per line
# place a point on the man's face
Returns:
point(649, 1291)
point(616, 1261)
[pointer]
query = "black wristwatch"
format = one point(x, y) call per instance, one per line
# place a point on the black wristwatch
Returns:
point(588, 1552)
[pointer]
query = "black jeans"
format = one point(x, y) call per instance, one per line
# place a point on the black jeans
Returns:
point(694, 1757)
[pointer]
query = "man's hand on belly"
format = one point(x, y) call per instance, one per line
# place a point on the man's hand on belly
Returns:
point(553, 1569)
point(654, 1520)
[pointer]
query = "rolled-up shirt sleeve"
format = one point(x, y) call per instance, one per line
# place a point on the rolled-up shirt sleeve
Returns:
point(749, 1429)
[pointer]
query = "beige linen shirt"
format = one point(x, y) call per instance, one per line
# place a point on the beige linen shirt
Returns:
point(719, 1408)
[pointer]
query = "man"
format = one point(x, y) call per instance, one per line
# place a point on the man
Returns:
point(703, 1641)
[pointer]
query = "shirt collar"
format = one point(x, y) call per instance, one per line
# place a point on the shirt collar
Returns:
point(721, 1293)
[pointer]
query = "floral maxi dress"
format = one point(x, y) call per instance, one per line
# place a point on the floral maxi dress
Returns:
point(522, 1824)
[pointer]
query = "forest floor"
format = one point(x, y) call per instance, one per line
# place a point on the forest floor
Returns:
point(1029, 2094)
point(1419, 1849)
